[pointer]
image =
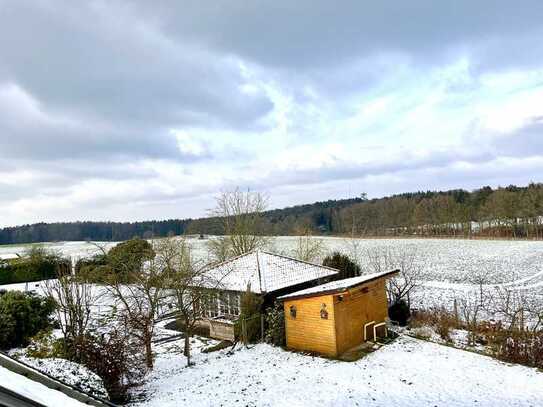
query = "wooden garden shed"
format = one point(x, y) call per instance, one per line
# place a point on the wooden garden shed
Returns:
point(335, 317)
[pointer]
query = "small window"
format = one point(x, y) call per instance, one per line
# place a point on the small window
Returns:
point(234, 304)
point(223, 303)
point(211, 305)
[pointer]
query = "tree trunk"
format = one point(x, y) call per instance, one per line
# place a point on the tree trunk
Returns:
point(148, 349)
point(187, 347)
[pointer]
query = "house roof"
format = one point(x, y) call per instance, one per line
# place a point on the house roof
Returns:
point(266, 272)
point(8, 256)
point(338, 286)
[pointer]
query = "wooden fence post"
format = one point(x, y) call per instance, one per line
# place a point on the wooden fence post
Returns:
point(244, 330)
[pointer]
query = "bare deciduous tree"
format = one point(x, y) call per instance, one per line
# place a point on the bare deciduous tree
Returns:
point(137, 292)
point(190, 284)
point(243, 223)
point(219, 249)
point(308, 248)
point(75, 300)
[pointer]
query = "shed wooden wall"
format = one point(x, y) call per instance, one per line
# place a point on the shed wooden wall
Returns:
point(344, 328)
point(308, 331)
point(357, 309)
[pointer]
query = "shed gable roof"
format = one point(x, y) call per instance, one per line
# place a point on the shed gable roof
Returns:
point(266, 272)
point(338, 286)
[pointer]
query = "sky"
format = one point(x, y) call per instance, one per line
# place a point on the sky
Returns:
point(117, 110)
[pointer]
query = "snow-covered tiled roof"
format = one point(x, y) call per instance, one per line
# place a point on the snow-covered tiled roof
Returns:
point(266, 272)
point(8, 256)
point(339, 286)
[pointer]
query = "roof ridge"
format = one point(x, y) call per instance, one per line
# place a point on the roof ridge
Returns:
point(259, 273)
point(222, 263)
point(298, 260)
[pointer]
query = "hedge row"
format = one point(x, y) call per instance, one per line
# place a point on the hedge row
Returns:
point(22, 271)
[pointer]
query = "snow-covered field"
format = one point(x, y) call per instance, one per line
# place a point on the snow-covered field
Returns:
point(407, 372)
point(72, 250)
point(449, 265)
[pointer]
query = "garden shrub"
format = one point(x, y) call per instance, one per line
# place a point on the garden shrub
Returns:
point(45, 345)
point(128, 257)
point(444, 324)
point(23, 315)
point(275, 322)
point(347, 268)
point(250, 312)
point(399, 312)
point(37, 264)
point(92, 269)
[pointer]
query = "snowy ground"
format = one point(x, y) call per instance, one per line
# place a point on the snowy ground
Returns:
point(408, 372)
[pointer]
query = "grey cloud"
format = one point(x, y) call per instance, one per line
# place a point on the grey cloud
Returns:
point(101, 64)
point(307, 33)
point(526, 141)
point(523, 142)
point(91, 60)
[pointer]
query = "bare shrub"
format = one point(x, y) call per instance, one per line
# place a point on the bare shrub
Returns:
point(408, 260)
point(441, 320)
point(116, 358)
point(470, 309)
point(74, 300)
point(517, 346)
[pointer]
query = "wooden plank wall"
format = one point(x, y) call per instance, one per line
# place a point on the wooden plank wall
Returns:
point(355, 310)
point(308, 331)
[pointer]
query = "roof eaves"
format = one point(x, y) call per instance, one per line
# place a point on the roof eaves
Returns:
point(337, 290)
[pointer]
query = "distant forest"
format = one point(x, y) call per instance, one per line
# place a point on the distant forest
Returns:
point(510, 212)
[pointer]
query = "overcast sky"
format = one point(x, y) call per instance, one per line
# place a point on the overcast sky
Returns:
point(119, 110)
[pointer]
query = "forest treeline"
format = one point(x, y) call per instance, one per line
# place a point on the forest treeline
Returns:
point(508, 212)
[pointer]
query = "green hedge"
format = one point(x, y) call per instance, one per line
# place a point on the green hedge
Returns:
point(22, 315)
point(23, 270)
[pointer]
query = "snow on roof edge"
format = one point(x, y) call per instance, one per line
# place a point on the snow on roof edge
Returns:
point(337, 286)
